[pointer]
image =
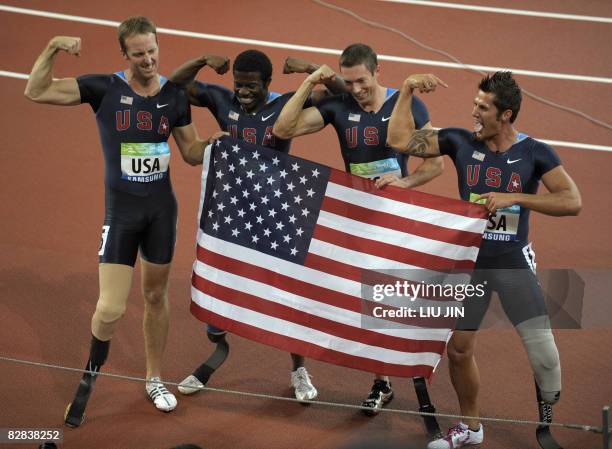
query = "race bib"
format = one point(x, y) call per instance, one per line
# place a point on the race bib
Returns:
point(376, 169)
point(503, 224)
point(144, 162)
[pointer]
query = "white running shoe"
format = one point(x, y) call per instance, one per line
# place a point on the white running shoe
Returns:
point(458, 436)
point(190, 385)
point(159, 394)
point(304, 389)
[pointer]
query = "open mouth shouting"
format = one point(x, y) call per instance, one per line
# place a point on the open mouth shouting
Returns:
point(477, 127)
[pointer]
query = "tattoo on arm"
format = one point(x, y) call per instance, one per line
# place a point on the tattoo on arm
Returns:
point(421, 141)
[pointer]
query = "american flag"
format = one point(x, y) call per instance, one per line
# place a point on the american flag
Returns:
point(283, 245)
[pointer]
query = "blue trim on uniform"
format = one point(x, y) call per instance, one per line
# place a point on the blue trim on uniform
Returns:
point(520, 137)
point(121, 74)
point(390, 91)
point(272, 96)
point(162, 79)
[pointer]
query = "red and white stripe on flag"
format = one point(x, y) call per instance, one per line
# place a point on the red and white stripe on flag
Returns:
point(314, 307)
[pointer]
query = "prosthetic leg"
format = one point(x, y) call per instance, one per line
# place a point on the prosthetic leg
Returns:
point(543, 434)
point(543, 355)
point(216, 359)
point(425, 405)
point(75, 411)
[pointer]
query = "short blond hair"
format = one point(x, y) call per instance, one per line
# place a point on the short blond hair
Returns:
point(135, 25)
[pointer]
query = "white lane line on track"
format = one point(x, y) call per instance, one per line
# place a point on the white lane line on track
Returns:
point(306, 48)
point(519, 12)
point(23, 76)
point(556, 143)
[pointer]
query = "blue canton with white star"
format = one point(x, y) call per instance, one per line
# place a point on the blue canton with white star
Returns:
point(262, 199)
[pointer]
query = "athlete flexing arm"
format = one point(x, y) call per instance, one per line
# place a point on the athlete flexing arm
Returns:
point(295, 121)
point(402, 135)
point(334, 85)
point(41, 87)
point(185, 74)
point(563, 197)
point(140, 216)
point(402, 112)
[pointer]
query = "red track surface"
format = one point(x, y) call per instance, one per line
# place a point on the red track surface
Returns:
point(52, 186)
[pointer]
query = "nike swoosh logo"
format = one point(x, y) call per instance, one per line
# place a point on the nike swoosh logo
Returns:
point(159, 106)
point(512, 162)
point(384, 119)
point(263, 118)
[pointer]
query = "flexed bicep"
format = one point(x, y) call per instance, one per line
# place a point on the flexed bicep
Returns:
point(423, 143)
point(42, 87)
point(309, 121)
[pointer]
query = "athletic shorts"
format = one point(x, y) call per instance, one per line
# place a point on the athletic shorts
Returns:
point(132, 223)
point(512, 276)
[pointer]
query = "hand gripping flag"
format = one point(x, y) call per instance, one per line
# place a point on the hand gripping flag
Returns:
point(283, 245)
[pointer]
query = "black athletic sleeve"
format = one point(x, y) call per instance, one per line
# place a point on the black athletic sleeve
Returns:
point(328, 107)
point(419, 112)
point(93, 88)
point(450, 140)
point(545, 158)
point(211, 96)
point(183, 108)
point(308, 102)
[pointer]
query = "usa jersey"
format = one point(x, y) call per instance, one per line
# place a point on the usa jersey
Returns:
point(134, 130)
point(363, 135)
point(252, 128)
point(480, 170)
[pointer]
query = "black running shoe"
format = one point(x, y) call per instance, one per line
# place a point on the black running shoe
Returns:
point(380, 395)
